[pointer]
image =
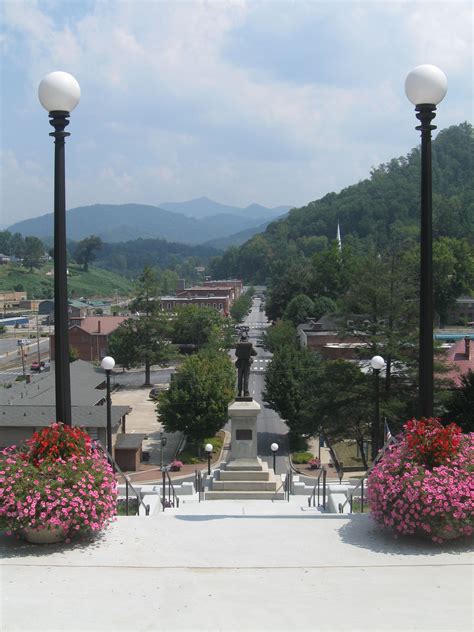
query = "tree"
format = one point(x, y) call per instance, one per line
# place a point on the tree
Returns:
point(146, 338)
point(33, 252)
point(241, 306)
point(200, 392)
point(281, 334)
point(197, 326)
point(86, 250)
point(142, 340)
point(299, 309)
point(453, 273)
point(460, 405)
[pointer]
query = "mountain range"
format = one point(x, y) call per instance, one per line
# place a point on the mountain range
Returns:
point(192, 222)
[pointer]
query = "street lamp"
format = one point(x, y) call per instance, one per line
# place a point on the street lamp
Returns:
point(425, 87)
point(208, 449)
point(274, 448)
point(377, 363)
point(59, 93)
point(108, 364)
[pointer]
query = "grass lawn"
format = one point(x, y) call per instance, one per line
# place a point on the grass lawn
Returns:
point(192, 455)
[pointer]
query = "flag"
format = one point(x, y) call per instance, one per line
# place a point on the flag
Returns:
point(387, 433)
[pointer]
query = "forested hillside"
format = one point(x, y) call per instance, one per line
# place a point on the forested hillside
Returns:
point(377, 211)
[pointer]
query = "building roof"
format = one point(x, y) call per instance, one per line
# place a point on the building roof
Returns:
point(88, 416)
point(108, 324)
point(86, 380)
point(129, 441)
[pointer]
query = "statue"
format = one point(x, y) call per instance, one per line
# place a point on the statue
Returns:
point(244, 351)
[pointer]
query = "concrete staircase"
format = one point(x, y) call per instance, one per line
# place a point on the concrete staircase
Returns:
point(249, 479)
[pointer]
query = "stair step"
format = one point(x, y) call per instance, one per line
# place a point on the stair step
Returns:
point(242, 475)
point(240, 495)
point(244, 485)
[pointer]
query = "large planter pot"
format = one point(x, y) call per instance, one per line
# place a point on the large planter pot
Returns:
point(44, 535)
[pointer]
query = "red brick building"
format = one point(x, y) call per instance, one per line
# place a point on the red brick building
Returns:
point(220, 303)
point(89, 335)
point(461, 359)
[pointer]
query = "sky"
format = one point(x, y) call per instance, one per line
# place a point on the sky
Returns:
point(242, 101)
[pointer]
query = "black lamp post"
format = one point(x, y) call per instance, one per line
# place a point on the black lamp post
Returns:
point(425, 87)
point(108, 364)
point(208, 449)
point(377, 363)
point(274, 448)
point(59, 93)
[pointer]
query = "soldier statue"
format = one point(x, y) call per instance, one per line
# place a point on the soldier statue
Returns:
point(244, 351)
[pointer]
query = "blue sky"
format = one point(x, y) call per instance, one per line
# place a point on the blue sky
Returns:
point(275, 102)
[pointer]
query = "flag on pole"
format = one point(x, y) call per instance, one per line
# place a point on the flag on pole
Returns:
point(387, 433)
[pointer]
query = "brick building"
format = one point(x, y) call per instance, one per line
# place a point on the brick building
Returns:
point(89, 335)
point(220, 303)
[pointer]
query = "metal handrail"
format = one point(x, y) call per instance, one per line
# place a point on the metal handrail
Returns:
point(317, 486)
point(288, 484)
point(171, 491)
point(128, 483)
point(360, 483)
point(198, 483)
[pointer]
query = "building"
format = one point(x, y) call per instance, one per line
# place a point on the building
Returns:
point(235, 284)
point(89, 335)
point(28, 406)
point(172, 303)
point(11, 299)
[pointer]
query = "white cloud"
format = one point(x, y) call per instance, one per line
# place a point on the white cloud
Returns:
point(273, 102)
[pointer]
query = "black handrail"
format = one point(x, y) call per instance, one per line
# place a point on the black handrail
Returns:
point(167, 502)
point(128, 483)
point(288, 484)
point(360, 483)
point(317, 486)
point(198, 483)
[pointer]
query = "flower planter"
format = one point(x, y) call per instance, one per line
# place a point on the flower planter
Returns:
point(44, 535)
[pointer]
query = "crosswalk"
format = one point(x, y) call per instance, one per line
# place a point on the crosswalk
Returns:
point(259, 364)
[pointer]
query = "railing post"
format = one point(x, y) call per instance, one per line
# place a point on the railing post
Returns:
point(126, 495)
point(163, 490)
point(324, 489)
point(362, 497)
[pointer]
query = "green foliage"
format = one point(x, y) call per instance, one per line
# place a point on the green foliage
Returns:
point(299, 309)
point(460, 405)
point(197, 400)
point(281, 334)
point(33, 252)
point(241, 306)
point(301, 457)
point(453, 272)
point(198, 326)
point(73, 354)
point(86, 250)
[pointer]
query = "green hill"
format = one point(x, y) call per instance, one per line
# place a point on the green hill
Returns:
point(37, 284)
point(375, 211)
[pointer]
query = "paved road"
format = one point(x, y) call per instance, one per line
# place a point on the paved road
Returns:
point(270, 427)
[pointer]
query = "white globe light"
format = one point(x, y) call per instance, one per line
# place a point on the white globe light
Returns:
point(377, 363)
point(59, 91)
point(274, 447)
point(208, 447)
point(426, 84)
point(108, 363)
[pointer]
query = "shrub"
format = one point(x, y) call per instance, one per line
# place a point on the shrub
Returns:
point(424, 485)
point(301, 457)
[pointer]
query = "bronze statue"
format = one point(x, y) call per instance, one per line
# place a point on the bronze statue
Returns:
point(244, 351)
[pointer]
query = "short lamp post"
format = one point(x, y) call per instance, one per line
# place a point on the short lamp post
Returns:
point(163, 442)
point(59, 93)
point(108, 364)
point(377, 363)
point(425, 87)
point(274, 448)
point(208, 448)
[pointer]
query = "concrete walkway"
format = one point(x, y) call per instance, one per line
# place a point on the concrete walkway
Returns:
point(234, 566)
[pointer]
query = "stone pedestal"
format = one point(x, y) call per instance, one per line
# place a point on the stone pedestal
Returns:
point(243, 442)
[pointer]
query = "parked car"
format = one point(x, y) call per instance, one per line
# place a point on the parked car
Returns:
point(156, 390)
point(259, 343)
point(36, 366)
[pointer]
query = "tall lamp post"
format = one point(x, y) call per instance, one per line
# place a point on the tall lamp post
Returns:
point(59, 93)
point(425, 87)
point(108, 364)
point(274, 448)
point(208, 449)
point(377, 363)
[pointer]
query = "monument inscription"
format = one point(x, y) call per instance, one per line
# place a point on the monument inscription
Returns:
point(243, 434)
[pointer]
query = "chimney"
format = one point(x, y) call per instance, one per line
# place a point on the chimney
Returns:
point(98, 326)
point(467, 347)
